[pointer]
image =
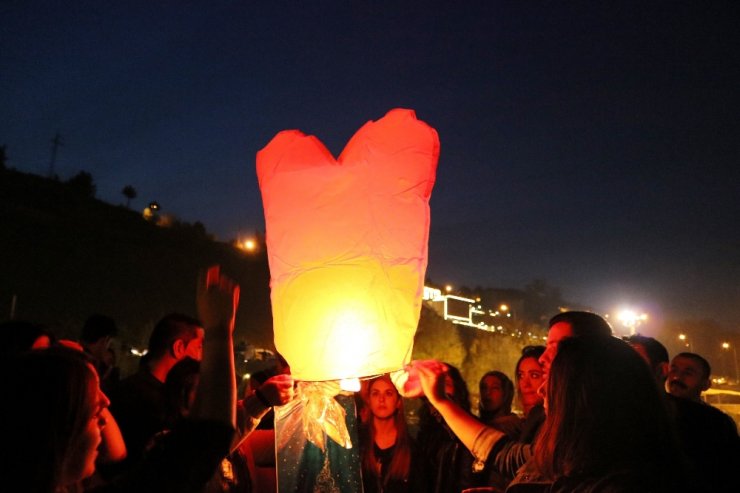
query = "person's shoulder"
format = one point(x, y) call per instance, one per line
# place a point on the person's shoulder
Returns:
point(138, 386)
point(703, 413)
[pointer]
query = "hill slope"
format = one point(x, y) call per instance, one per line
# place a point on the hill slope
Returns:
point(64, 256)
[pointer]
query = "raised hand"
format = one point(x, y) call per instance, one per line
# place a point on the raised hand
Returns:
point(278, 390)
point(217, 299)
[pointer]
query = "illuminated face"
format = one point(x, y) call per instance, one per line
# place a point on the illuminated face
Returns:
point(491, 393)
point(384, 399)
point(686, 379)
point(81, 463)
point(194, 348)
point(530, 377)
point(557, 333)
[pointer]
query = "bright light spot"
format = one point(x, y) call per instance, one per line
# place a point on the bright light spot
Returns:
point(631, 319)
point(247, 376)
point(504, 308)
point(247, 244)
point(353, 334)
point(350, 384)
point(448, 288)
point(726, 345)
point(136, 352)
point(682, 337)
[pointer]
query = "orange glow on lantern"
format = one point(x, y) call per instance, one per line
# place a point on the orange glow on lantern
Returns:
point(347, 245)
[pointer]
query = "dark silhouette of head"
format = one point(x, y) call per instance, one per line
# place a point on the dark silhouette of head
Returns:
point(97, 327)
point(168, 330)
point(583, 324)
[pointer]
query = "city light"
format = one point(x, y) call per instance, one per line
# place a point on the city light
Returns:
point(685, 340)
point(249, 245)
point(631, 319)
point(726, 346)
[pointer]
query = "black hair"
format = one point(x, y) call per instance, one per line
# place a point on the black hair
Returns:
point(583, 324)
point(96, 327)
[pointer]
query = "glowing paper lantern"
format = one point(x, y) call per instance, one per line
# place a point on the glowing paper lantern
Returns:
point(347, 245)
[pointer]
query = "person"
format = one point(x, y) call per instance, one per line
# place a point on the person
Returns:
point(21, 335)
point(708, 437)
point(584, 325)
point(180, 389)
point(655, 355)
point(496, 398)
point(606, 427)
point(391, 462)
point(95, 338)
point(138, 401)
point(53, 424)
point(529, 379)
point(24, 336)
point(688, 376)
point(112, 376)
point(448, 460)
point(281, 367)
point(483, 441)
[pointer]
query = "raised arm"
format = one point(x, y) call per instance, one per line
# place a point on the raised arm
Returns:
point(275, 391)
point(217, 300)
point(429, 376)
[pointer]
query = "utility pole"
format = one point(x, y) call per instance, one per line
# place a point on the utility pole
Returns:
point(56, 142)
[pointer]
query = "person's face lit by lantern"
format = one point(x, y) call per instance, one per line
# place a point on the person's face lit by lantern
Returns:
point(384, 399)
point(529, 379)
point(194, 347)
point(557, 333)
point(81, 462)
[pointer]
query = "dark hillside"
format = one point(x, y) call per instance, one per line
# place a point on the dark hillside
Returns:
point(65, 255)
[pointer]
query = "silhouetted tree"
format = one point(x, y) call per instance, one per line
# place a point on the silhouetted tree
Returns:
point(82, 184)
point(130, 193)
point(3, 157)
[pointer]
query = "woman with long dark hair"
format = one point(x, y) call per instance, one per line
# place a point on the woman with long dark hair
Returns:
point(607, 428)
point(450, 462)
point(390, 462)
point(496, 397)
point(529, 378)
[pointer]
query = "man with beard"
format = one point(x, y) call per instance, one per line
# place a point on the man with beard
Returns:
point(688, 376)
point(709, 436)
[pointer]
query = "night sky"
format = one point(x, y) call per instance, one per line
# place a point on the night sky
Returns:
point(591, 144)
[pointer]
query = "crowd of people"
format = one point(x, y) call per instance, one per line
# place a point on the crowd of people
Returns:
point(596, 414)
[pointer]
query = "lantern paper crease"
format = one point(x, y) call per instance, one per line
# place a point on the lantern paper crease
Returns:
point(347, 245)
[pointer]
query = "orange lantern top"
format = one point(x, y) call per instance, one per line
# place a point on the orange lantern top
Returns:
point(347, 245)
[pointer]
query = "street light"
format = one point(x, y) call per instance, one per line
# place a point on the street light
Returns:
point(631, 319)
point(685, 340)
point(726, 345)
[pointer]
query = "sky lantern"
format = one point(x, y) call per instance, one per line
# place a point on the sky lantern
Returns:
point(347, 245)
